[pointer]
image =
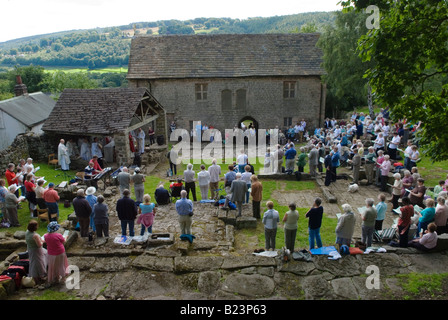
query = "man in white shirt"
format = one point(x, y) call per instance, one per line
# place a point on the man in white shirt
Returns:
point(242, 161)
point(407, 155)
point(379, 142)
point(203, 181)
point(215, 171)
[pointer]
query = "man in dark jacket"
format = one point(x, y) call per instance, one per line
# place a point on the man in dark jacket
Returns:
point(127, 212)
point(82, 211)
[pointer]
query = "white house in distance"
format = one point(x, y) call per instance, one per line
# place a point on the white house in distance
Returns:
point(23, 113)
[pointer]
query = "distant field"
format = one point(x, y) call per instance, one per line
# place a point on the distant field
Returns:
point(75, 70)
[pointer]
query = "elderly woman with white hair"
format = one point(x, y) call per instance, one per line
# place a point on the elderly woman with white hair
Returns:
point(346, 226)
point(379, 161)
point(408, 181)
point(368, 222)
point(396, 190)
point(11, 202)
point(385, 168)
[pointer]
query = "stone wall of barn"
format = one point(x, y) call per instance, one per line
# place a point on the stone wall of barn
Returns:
point(229, 101)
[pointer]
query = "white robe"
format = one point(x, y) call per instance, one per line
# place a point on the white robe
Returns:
point(63, 157)
point(141, 141)
point(85, 151)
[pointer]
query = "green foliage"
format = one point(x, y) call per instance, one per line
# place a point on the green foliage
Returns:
point(176, 29)
point(52, 295)
point(410, 75)
point(346, 85)
point(32, 76)
point(418, 286)
point(99, 48)
point(58, 81)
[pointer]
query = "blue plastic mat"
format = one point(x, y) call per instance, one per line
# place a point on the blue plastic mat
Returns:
point(323, 250)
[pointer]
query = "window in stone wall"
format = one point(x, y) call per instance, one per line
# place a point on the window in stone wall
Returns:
point(201, 91)
point(226, 99)
point(287, 121)
point(289, 89)
point(241, 99)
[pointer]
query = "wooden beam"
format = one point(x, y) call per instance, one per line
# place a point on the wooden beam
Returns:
point(141, 124)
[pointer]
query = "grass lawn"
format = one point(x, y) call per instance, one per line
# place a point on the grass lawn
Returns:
point(432, 172)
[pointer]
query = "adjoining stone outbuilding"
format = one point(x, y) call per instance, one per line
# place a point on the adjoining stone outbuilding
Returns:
point(25, 113)
point(224, 79)
point(106, 112)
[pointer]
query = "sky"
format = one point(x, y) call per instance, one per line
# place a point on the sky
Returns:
point(34, 17)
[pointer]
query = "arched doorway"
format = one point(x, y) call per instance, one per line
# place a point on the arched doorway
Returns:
point(249, 122)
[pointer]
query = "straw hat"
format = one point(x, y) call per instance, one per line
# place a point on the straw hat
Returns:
point(90, 191)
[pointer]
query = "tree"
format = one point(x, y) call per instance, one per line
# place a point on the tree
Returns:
point(32, 77)
point(58, 81)
point(346, 86)
point(410, 75)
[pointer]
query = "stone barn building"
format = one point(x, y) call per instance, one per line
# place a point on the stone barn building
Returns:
point(222, 80)
point(106, 113)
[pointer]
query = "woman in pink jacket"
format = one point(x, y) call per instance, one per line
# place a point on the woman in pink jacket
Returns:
point(56, 257)
point(147, 211)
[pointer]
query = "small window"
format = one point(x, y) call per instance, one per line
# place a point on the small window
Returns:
point(226, 99)
point(201, 91)
point(287, 122)
point(241, 98)
point(289, 89)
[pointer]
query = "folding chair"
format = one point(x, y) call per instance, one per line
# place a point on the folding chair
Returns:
point(52, 161)
point(43, 215)
point(175, 193)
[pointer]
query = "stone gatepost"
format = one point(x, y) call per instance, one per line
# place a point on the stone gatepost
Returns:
point(122, 148)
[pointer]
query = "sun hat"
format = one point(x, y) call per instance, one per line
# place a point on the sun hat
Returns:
point(137, 170)
point(53, 226)
point(90, 191)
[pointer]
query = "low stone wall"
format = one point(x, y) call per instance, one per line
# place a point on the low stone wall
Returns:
point(28, 145)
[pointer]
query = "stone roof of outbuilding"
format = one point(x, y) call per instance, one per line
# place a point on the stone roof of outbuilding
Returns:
point(224, 55)
point(95, 111)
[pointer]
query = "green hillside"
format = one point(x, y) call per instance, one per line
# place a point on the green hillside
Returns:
point(104, 47)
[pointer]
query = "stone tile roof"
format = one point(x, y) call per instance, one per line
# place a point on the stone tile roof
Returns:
point(94, 111)
point(224, 55)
